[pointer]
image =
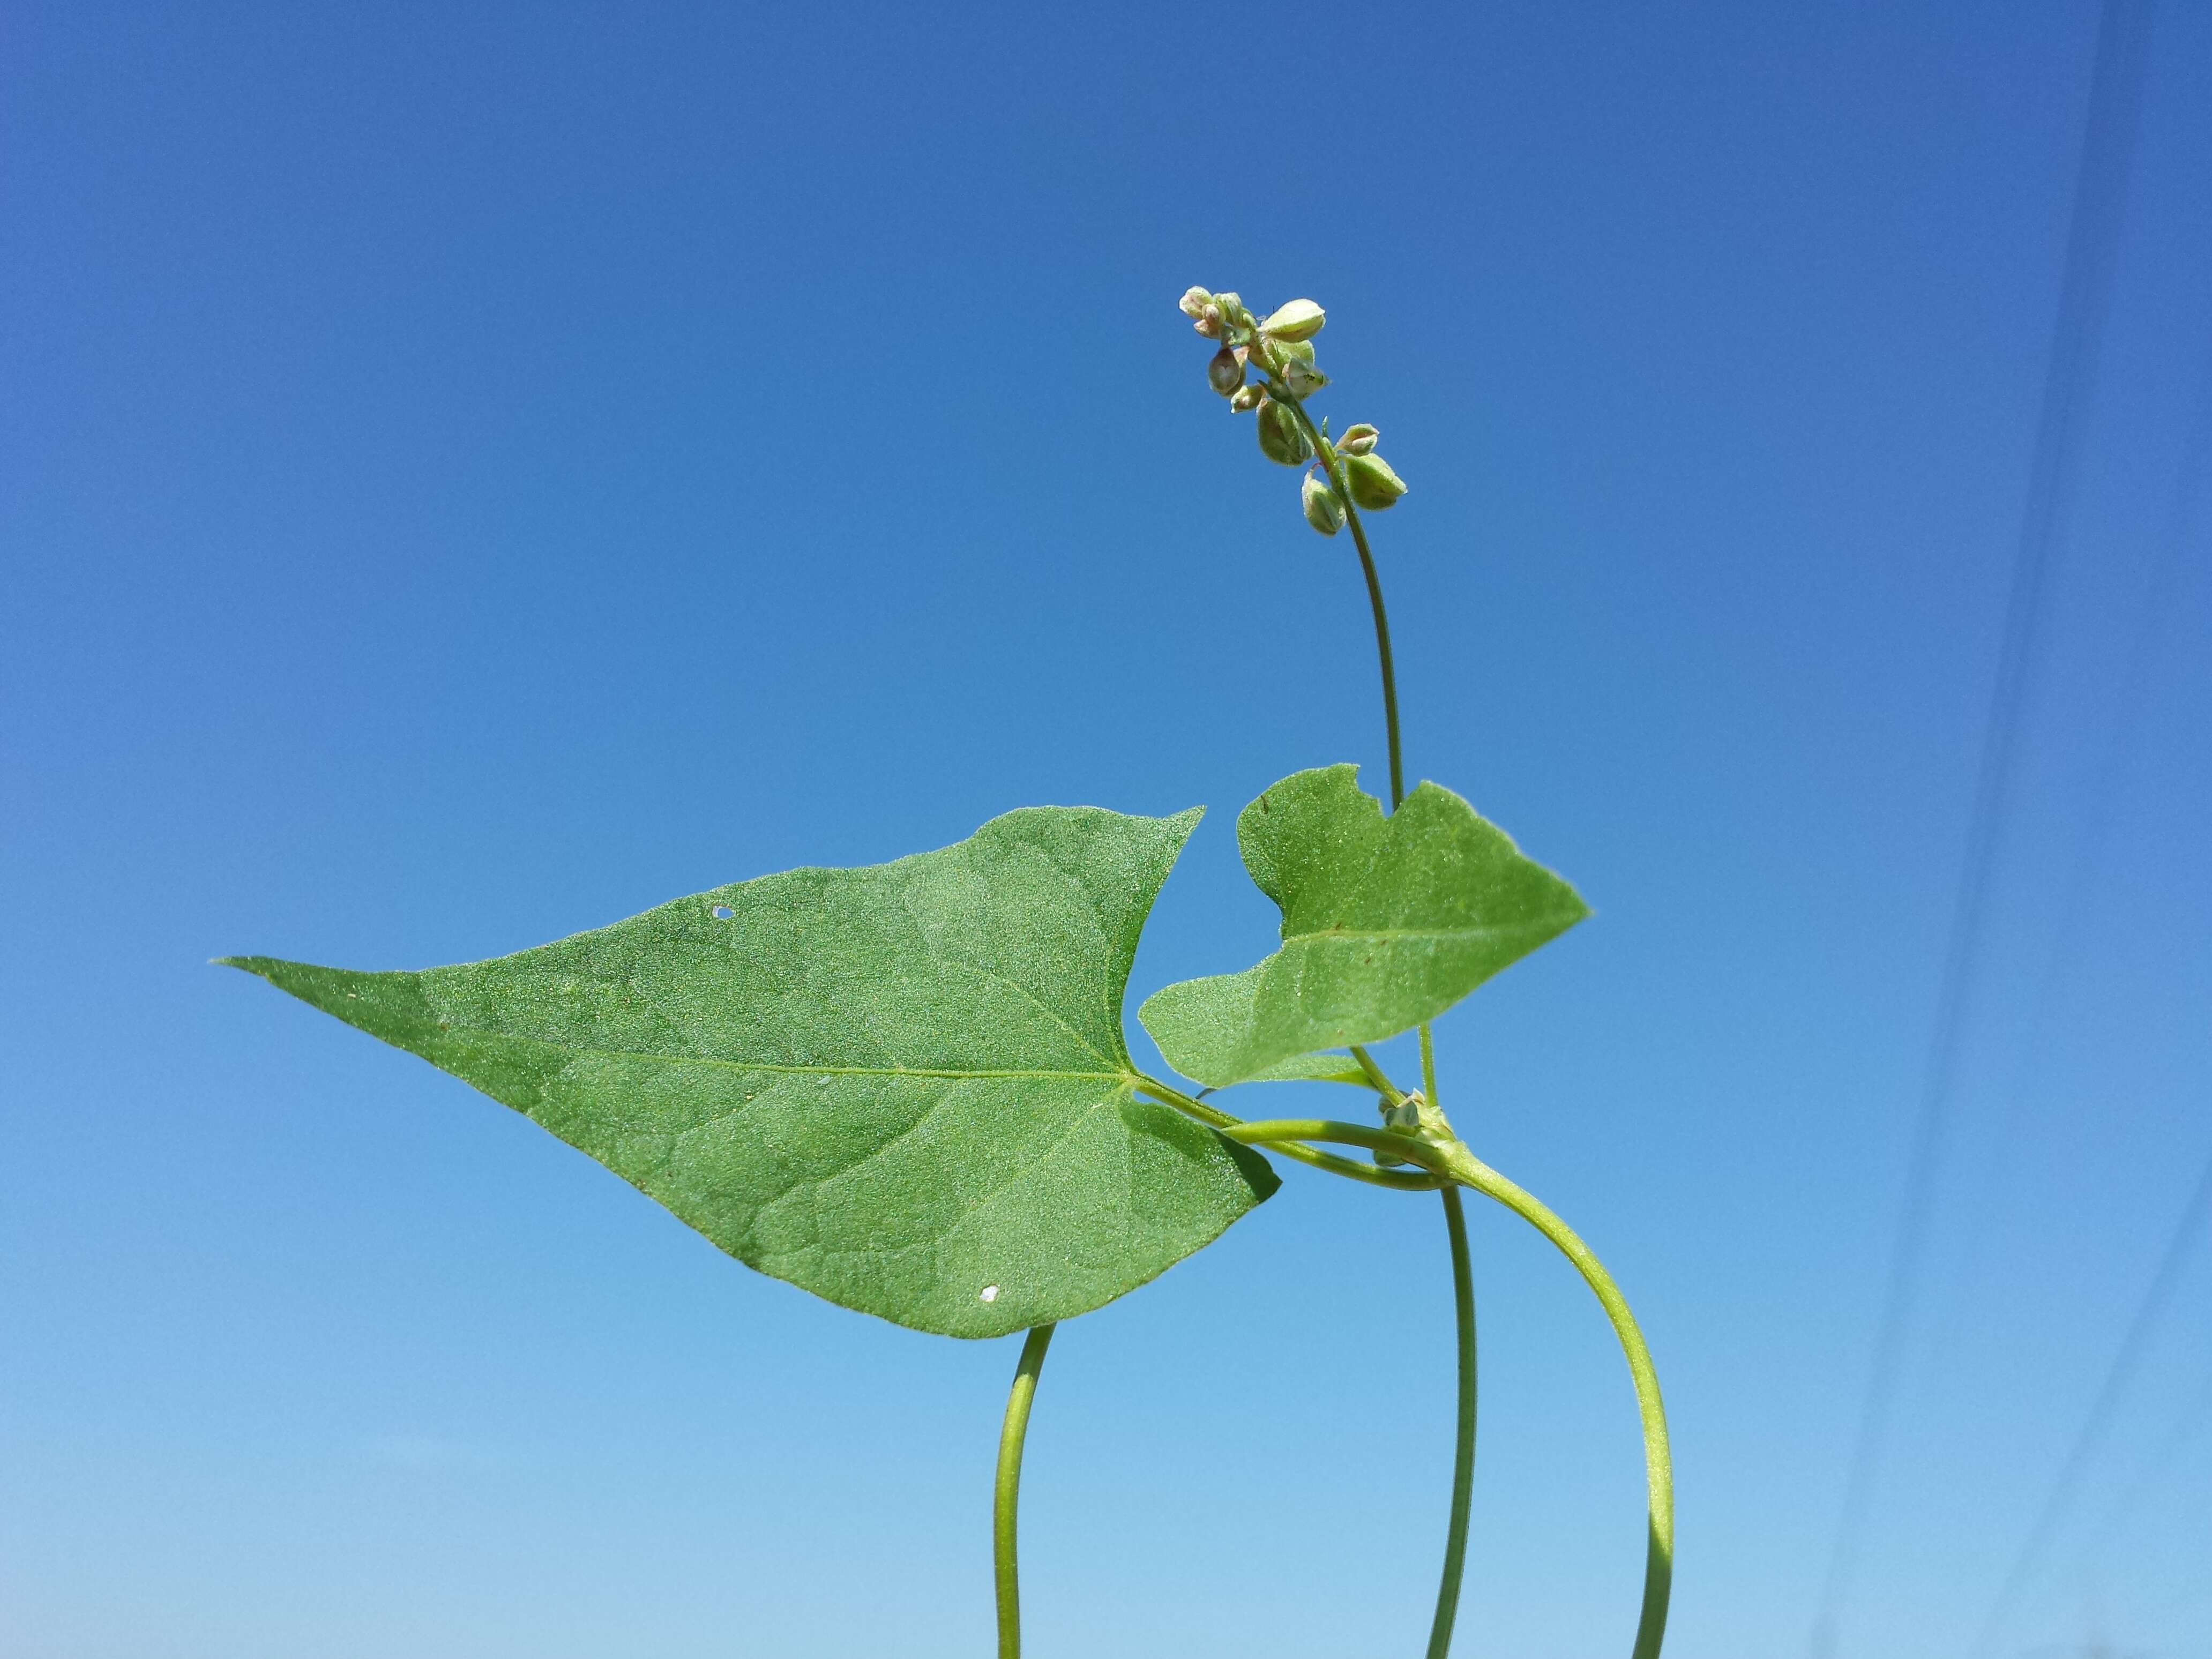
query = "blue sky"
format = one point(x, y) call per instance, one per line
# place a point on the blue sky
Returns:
point(468, 474)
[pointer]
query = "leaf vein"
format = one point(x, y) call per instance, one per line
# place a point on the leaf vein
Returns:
point(778, 1067)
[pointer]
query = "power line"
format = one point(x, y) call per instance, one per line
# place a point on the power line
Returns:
point(2159, 604)
point(2117, 1379)
point(2154, 1465)
point(2084, 297)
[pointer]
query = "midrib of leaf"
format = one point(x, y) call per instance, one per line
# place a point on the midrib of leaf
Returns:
point(1406, 933)
point(780, 1069)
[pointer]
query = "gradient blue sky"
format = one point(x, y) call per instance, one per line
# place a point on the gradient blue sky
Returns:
point(468, 474)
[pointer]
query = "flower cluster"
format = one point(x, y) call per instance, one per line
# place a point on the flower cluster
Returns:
point(1340, 475)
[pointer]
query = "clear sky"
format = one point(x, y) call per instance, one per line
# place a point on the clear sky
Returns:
point(470, 473)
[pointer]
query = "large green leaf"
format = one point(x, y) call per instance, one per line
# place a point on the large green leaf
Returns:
point(903, 1088)
point(1386, 922)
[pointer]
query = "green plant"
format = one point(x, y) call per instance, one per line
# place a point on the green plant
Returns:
point(906, 1088)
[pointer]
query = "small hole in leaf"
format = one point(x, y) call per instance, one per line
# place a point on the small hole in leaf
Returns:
point(990, 1293)
point(723, 912)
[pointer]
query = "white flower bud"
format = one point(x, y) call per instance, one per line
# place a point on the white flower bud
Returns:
point(1358, 439)
point(1194, 302)
point(1301, 319)
point(1248, 397)
point(1323, 510)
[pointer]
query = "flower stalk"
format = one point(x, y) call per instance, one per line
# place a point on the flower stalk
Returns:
point(1341, 479)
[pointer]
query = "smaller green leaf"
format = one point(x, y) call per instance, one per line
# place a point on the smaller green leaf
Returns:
point(1387, 922)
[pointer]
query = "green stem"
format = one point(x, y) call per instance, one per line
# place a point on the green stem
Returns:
point(1462, 1492)
point(1336, 482)
point(1382, 644)
point(1462, 1274)
point(1440, 1631)
point(1447, 1588)
point(1462, 1165)
point(1376, 1078)
point(1404, 1180)
point(1005, 1495)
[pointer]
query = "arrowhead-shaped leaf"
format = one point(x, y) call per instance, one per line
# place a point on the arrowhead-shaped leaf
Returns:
point(903, 1088)
point(1386, 922)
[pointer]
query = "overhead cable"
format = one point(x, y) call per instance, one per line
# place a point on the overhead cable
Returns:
point(2084, 298)
point(2161, 601)
point(2117, 1378)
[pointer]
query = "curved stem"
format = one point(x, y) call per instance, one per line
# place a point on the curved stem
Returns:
point(1651, 1409)
point(1404, 1180)
point(1447, 1587)
point(1005, 1495)
point(1336, 482)
point(1382, 644)
point(1440, 1629)
point(1463, 1166)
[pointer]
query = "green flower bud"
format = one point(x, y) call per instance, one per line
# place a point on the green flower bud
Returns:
point(1301, 379)
point(1194, 302)
point(1281, 440)
point(1301, 319)
point(1293, 350)
point(1225, 373)
point(1232, 311)
point(1416, 1119)
point(1324, 511)
point(1358, 439)
point(1248, 397)
point(1374, 485)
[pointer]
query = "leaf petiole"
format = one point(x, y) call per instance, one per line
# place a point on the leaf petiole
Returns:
point(1005, 1493)
point(1391, 1093)
point(1404, 1180)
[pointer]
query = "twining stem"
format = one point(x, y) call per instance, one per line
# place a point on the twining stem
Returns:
point(1462, 1165)
point(1414, 1181)
point(1005, 1496)
point(1440, 1629)
point(1447, 1586)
